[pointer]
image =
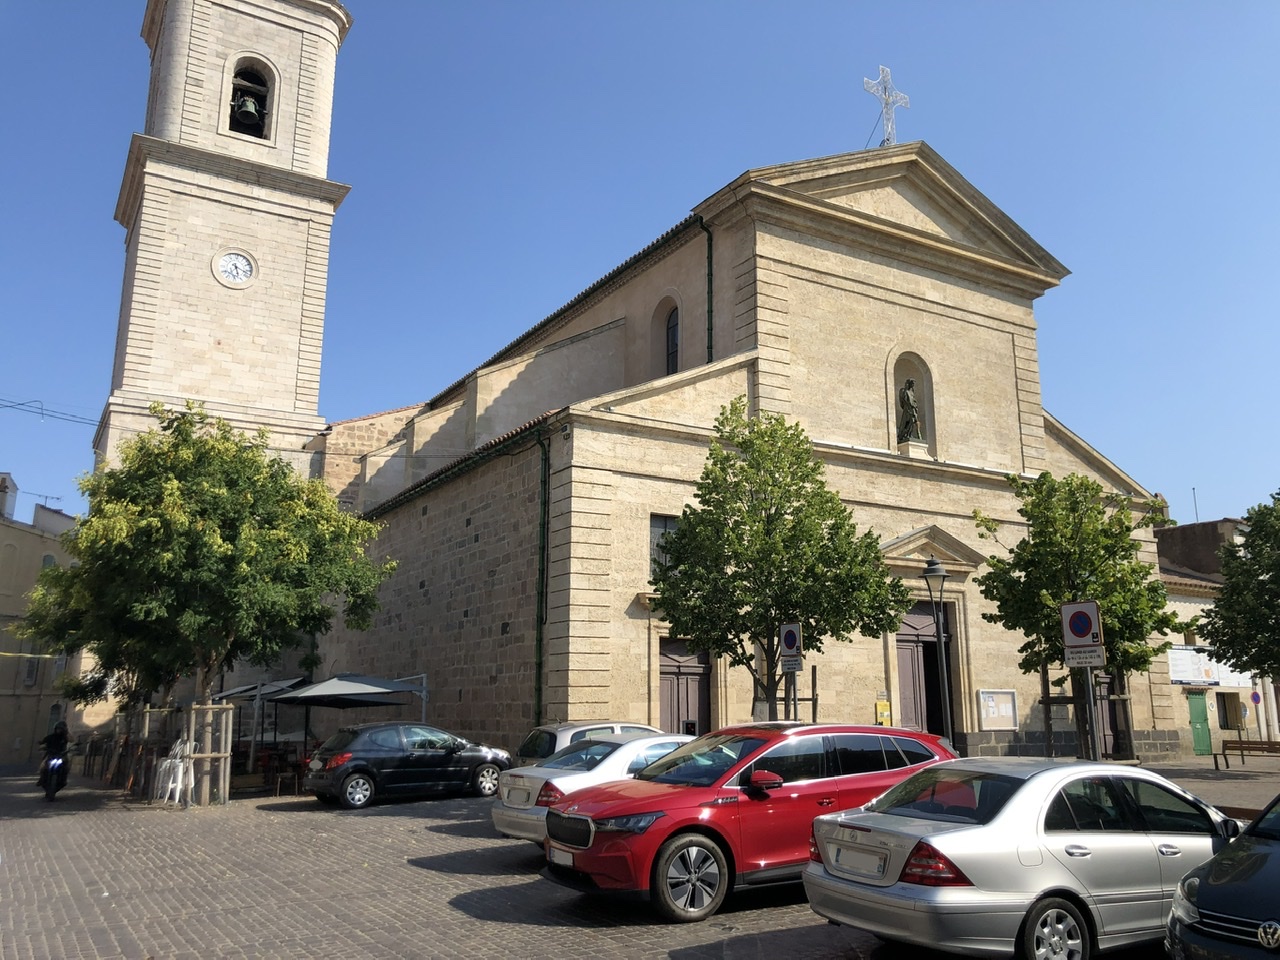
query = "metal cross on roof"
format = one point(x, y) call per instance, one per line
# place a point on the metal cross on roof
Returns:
point(889, 98)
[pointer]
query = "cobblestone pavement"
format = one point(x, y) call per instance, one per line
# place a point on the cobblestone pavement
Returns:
point(95, 876)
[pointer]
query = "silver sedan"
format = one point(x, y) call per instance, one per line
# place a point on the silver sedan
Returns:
point(525, 793)
point(999, 856)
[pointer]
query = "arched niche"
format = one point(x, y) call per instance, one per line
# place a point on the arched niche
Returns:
point(910, 378)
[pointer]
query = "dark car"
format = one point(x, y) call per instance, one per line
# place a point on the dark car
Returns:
point(359, 763)
point(1228, 908)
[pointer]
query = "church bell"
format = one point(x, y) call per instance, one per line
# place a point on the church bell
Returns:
point(246, 111)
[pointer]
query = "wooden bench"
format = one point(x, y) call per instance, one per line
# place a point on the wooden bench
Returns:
point(1259, 748)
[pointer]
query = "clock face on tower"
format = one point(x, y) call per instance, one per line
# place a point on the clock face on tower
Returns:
point(234, 269)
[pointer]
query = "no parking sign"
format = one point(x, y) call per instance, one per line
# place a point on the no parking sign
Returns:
point(1082, 635)
point(791, 647)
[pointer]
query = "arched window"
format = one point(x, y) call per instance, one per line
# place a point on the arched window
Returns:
point(250, 100)
point(48, 560)
point(673, 340)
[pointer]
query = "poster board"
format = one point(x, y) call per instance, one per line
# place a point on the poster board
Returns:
point(1195, 666)
point(997, 710)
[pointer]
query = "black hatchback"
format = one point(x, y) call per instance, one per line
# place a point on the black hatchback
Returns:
point(369, 760)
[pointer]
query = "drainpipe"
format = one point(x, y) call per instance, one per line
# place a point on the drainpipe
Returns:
point(544, 514)
point(710, 278)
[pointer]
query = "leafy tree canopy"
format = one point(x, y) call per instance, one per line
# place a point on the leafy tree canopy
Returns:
point(1078, 546)
point(199, 550)
point(769, 543)
point(1244, 622)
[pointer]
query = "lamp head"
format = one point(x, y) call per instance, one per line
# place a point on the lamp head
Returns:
point(934, 576)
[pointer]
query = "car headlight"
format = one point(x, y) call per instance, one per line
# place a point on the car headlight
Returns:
point(636, 823)
point(1184, 900)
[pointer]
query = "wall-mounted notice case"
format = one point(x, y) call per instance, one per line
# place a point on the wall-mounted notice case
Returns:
point(997, 710)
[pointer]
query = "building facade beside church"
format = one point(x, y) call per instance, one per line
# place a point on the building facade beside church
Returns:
point(524, 501)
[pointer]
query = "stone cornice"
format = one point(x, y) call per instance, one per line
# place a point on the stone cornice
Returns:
point(153, 18)
point(144, 149)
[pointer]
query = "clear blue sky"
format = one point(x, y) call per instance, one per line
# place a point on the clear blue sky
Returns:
point(504, 156)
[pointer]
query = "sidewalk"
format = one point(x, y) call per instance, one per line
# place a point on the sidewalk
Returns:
point(1241, 791)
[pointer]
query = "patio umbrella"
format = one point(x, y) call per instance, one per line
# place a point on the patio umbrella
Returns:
point(252, 691)
point(257, 693)
point(355, 690)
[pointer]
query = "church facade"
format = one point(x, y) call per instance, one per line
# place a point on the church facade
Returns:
point(524, 502)
point(817, 290)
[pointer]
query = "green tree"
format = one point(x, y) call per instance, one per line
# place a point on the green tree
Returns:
point(769, 543)
point(1244, 622)
point(198, 551)
point(1079, 545)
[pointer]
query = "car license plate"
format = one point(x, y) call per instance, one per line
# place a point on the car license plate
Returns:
point(562, 857)
point(517, 797)
point(860, 861)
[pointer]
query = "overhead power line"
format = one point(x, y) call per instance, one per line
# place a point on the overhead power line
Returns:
point(38, 407)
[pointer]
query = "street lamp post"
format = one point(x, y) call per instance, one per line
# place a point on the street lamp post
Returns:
point(934, 576)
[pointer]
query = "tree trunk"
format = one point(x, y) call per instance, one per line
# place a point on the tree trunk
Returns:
point(1079, 693)
point(1122, 729)
point(204, 689)
point(771, 696)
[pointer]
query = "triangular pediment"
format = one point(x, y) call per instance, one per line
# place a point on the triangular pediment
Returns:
point(908, 188)
point(907, 554)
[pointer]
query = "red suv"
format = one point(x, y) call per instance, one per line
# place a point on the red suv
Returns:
point(731, 808)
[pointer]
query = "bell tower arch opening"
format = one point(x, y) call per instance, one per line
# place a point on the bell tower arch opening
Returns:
point(250, 108)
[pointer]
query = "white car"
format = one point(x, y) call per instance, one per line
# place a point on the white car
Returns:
point(542, 741)
point(525, 793)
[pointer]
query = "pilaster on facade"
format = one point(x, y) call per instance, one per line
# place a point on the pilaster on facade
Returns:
point(773, 339)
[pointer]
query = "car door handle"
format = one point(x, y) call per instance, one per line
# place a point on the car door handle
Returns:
point(1169, 850)
point(827, 801)
point(1076, 850)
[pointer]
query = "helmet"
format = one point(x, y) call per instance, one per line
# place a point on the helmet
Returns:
point(60, 727)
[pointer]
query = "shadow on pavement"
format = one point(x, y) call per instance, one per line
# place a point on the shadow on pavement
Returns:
point(23, 800)
point(778, 943)
point(573, 909)
point(497, 861)
point(453, 809)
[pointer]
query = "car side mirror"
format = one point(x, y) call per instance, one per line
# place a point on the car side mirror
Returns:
point(1231, 828)
point(764, 781)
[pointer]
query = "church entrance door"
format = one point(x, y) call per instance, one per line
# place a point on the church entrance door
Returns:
point(919, 686)
point(685, 688)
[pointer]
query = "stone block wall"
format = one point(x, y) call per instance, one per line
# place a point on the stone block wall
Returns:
point(462, 605)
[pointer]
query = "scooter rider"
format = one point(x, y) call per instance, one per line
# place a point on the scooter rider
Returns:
point(54, 745)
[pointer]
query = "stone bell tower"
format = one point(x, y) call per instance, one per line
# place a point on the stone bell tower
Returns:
point(228, 214)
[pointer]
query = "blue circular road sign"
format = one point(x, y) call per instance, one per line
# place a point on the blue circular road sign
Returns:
point(1080, 624)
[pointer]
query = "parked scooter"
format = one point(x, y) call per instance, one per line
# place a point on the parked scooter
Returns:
point(54, 768)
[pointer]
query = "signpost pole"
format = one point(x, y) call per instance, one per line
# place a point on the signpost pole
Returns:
point(1095, 730)
point(1083, 647)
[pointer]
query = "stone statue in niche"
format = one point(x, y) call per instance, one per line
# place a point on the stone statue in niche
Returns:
point(909, 413)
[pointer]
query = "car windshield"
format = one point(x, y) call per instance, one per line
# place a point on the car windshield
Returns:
point(950, 794)
point(583, 755)
point(701, 762)
point(1268, 825)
